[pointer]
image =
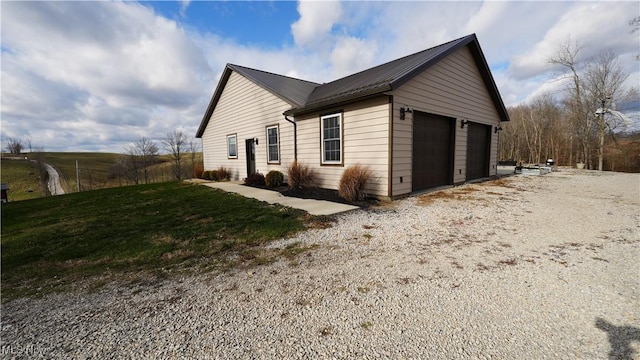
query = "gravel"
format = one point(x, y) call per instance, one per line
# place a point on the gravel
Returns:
point(523, 267)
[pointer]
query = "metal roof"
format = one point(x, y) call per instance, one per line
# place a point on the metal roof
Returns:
point(306, 96)
point(294, 91)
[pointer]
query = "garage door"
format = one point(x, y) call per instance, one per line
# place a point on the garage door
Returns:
point(432, 150)
point(478, 150)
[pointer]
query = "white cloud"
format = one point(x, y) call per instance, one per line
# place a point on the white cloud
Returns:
point(351, 55)
point(317, 18)
point(98, 75)
point(94, 64)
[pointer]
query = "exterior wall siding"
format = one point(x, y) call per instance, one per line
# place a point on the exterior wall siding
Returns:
point(365, 142)
point(246, 109)
point(452, 87)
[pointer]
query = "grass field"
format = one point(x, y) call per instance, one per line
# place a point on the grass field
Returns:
point(22, 178)
point(52, 243)
point(95, 168)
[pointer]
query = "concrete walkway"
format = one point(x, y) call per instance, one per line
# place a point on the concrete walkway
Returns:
point(313, 207)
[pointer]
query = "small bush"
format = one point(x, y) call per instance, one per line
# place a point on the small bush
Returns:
point(197, 171)
point(299, 175)
point(224, 174)
point(213, 174)
point(274, 178)
point(206, 175)
point(255, 179)
point(353, 181)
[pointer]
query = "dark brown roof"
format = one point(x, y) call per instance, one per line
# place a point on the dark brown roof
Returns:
point(308, 97)
point(293, 91)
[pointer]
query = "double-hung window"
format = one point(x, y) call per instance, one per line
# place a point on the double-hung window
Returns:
point(273, 145)
point(232, 146)
point(331, 131)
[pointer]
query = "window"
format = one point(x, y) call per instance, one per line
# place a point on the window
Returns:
point(331, 138)
point(273, 146)
point(232, 146)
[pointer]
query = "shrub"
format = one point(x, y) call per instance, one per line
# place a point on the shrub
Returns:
point(353, 181)
point(197, 171)
point(206, 175)
point(299, 175)
point(213, 174)
point(254, 179)
point(223, 173)
point(274, 178)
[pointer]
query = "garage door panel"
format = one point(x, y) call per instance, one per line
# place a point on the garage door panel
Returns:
point(432, 150)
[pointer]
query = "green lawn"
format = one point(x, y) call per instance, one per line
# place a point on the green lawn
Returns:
point(49, 244)
point(22, 178)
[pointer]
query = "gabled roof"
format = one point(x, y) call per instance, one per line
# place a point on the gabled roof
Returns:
point(291, 90)
point(391, 75)
point(305, 96)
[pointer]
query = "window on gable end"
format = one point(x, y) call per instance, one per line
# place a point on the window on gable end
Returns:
point(232, 146)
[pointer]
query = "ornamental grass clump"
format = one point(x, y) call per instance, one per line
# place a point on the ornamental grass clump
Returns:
point(299, 175)
point(353, 181)
point(224, 174)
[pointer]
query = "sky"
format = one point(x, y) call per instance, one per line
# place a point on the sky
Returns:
point(97, 76)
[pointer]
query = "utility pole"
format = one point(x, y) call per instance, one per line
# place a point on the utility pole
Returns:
point(601, 112)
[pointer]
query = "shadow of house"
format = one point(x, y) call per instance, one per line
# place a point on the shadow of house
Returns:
point(620, 338)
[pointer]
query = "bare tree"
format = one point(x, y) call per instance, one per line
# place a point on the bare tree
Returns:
point(175, 143)
point(582, 119)
point(603, 81)
point(147, 152)
point(194, 153)
point(14, 146)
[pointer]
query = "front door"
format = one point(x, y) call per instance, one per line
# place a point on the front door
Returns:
point(250, 147)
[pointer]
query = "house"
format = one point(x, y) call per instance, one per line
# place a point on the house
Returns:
point(422, 121)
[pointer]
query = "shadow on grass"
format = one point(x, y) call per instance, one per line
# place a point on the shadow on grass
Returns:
point(620, 339)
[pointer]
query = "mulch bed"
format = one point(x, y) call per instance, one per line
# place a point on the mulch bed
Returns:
point(318, 194)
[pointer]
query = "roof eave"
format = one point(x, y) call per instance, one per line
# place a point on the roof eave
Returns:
point(214, 101)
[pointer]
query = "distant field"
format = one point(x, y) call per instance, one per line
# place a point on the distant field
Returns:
point(22, 178)
point(50, 244)
point(94, 168)
point(97, 171)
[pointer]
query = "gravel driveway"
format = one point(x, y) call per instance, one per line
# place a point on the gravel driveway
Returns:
point(526, 267)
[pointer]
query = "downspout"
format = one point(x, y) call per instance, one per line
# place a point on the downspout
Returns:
point(295, 137)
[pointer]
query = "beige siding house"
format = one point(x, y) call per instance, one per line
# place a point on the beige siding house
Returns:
point(425, 120)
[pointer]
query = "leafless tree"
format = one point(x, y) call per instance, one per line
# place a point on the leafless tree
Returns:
point(194, 153)
point(147, 152)
point(603, 81)
point(175, 143)
point(14, 146)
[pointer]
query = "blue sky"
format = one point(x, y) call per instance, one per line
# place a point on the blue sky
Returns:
point(96, 76)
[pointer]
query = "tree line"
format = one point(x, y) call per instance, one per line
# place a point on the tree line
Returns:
point(134, 166)
point(582, 125)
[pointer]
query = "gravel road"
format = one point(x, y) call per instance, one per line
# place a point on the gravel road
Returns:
point(55, 188)
point(527, 267)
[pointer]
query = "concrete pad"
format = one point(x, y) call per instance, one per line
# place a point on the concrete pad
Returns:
point(313, 207)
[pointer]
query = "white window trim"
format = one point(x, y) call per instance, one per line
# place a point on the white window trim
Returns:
point(324, 161)
point(270, 161)
point(234, 136)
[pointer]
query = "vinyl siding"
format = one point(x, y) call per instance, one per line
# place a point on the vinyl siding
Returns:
point(452, 87)
point(246, 109)
point(365, 142)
